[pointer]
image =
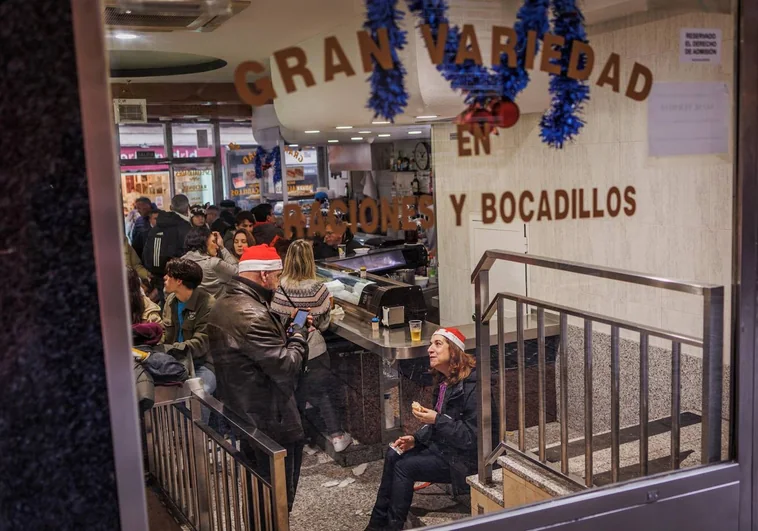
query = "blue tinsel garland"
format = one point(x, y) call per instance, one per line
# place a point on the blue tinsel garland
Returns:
point(562, 122)
point(531, 16)
point(477, 83)
point(388, 95)
point(268, 157)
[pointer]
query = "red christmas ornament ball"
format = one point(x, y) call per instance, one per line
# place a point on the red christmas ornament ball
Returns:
point(506, 114)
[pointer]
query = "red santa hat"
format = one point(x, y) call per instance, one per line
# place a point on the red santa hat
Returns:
point(260, 258)
point(453, 335)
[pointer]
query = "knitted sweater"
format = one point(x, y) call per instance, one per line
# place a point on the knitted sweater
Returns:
point(305, 294)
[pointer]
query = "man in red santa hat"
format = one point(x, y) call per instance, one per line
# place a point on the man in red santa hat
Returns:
point(258, 361)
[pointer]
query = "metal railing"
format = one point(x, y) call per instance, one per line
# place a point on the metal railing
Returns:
point(206, 479)
point(711, 344)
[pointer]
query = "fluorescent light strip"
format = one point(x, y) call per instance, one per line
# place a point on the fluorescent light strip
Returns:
point(357, 138)
point(364, 132)
point(415, 132)
point(344, 127)
point(294, 145)
point(428, 117)
point(332, 141)
point(378, 122)
point(312, 132)
point(383, 135)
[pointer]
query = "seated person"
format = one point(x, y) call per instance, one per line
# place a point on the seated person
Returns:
point(185, 320)
point(444, 450)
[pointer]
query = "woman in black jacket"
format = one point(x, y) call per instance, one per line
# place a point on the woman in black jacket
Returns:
point(444, 450)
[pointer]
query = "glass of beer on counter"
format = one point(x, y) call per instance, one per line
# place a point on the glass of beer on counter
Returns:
point(415, 330)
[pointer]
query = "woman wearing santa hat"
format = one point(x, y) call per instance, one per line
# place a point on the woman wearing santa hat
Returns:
point(444, 450)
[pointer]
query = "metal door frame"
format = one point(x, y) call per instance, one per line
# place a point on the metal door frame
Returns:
point(711, 497)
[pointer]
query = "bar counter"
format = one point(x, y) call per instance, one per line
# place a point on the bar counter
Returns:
point(396, 344)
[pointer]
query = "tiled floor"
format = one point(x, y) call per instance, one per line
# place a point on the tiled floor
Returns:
point(320, 508)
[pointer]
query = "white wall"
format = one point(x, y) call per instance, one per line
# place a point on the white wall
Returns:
point(682, 228)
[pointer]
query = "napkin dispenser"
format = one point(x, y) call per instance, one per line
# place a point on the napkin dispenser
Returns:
point(393, 316)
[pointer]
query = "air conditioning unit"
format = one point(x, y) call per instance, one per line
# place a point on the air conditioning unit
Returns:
point(130, 111)
point(170, 15)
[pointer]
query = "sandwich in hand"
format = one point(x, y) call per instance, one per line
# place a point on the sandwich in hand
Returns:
point(415, 406)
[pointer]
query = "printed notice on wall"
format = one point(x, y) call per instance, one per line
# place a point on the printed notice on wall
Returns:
point(700, 45)
point(688, 119)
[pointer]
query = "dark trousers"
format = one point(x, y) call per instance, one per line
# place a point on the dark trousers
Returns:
point(317, 386)
point(393, 501)
point(292, 464)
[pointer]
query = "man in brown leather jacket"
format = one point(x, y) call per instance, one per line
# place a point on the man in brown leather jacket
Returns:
point(258, 362)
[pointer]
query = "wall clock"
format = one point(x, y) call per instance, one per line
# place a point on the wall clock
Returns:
point(422, 156)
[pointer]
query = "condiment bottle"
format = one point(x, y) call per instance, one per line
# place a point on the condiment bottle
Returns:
point(363, 271)
point(375, 324)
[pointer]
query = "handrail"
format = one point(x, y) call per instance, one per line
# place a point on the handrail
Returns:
point(711, 344)
point(262, 441)
point(491, 256)
point(207, 480)
point(627, 325)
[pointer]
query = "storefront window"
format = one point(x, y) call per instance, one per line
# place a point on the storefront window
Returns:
point(191, 141)
point(194, 181)
point(145, 181)
point(143, 141)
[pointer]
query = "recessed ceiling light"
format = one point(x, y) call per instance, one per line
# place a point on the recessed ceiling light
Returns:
point(426, 117)
point(378, 122)
point(356, 138)
point(332, 141)
point(124, 36)
point(344, 127)
point(128, 11)
point(312, 132)
point(415, 132)
point(384, 135)
point(364, 132)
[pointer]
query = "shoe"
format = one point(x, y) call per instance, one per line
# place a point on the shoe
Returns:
point(340, 442)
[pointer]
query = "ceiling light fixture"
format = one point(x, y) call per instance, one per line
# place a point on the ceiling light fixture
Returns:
point(427, 117)
point(415, 132)
point(356, 138)
point(364, 132)
point(383, 135)
point(344, 127)
point(312, 132)
point(332, 141)
point(124, 36)
point(294, 145)
point(379, 122)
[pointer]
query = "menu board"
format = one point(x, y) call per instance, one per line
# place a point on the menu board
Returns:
point(195, 183)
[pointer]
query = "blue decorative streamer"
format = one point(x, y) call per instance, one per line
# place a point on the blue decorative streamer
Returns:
point(562, 122)
point(268, 157)
point(531, 16)
point(477, 83)
point(388, 95)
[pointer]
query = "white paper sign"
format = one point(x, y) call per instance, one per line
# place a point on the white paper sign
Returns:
point(688, 119)
point(700, 45)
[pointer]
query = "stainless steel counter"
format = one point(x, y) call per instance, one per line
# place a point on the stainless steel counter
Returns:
point(396, 344)
point(389, 343)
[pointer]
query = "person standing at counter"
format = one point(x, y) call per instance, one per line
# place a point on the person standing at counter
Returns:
point(444, 449)
point(258, 362)
point(300, 290)
point(328, 246)
point(265, 229)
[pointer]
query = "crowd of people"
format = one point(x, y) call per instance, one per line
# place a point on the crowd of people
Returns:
point(218, 290)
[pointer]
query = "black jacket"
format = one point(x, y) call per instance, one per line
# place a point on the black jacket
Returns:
point(257, 365)
point(165, 241)
point(140, 232)
point(454, 434)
